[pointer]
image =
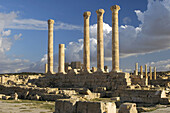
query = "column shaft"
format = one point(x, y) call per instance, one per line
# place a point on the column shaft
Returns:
point(146, 72)
point(86, 55)
point(50, 46)
point(46, 68)
point(115, 38)
point(154, 73)
point(136, 69)
point(100, 46)
point(141, 71)
point(61, 68)
point(150, 72)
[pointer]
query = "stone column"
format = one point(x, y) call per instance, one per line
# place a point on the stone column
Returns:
point(136, 69)
point(86, 55)
point(100, 47)
point(150, 72)
point(115, 38)
point(146, 75)
point(141, 71)
point(61, 68)
point(46, 68)
point(146, 72)
point(50, 46)
point(154, 73)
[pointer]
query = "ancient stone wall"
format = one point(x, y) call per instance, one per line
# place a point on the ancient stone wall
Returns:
point(63, 106)
point(110, 81)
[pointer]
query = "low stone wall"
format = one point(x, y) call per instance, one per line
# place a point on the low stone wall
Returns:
point(128, 108)
point(73, 106)
point(36, 93)
point(161, 82)
point(17, 79)
point(142, 96)
point(111, 81)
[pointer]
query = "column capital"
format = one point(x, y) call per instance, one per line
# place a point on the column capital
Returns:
point(100, 12)
point(115, 8)
point(50, 21)
point(87, 14)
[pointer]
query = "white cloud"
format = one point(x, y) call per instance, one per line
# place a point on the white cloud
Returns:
point(17, 37)
point(33, 24)
point(163, 65)
point(126, 20)
point(6, 33)
point(150, 36)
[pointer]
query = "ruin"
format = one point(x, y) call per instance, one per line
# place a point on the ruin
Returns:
point(76, 86)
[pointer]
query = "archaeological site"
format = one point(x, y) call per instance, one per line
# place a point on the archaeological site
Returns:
point(79, 88)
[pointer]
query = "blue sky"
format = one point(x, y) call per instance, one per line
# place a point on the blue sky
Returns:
point(143, 24)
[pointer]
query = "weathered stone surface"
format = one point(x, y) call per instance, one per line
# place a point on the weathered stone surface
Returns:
point(115, 38)
point(62, 106)
point(61, 68)
point(73, 106)
point(50, 46)
point(100, 46)
point(86, 54)
point(128, 108)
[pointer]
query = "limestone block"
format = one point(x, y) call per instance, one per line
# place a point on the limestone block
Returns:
point(5, 97)
point(63, 106)
point(85, 91)
point(14, 96)
point(99, 89)
point(128, 108)
point(95, 107)
point(1, 95)
point(115, 98)
point(165, 100)
point(73, 72)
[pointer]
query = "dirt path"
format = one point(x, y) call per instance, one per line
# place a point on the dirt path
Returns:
point(28, 107)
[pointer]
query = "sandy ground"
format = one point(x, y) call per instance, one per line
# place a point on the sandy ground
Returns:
point(160, 110)
point(20, 108)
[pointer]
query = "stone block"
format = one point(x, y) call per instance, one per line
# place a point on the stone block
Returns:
point(6, 97)
point(96, 107)
point(128, 108)
point(63, 106)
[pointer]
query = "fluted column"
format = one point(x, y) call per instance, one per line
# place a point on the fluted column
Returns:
point(46, 68)
point(61, 68)
point(150, 72)
point(141, 71)
point(154, 73)
point(86, 55)
point(146, 75)
point(146, 72)
point(115, 38)
point(136, 69)
point(50, 46)
point(100, 47)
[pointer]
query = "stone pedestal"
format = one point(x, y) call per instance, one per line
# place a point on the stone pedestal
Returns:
point(115, 38)
point(86, 55)
point(61, 68)
point(50, 46)
point(100, 46)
